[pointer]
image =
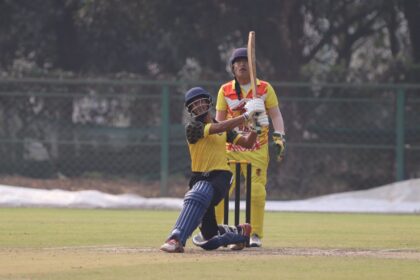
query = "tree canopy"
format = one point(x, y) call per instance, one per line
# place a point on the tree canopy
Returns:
point(296, 39)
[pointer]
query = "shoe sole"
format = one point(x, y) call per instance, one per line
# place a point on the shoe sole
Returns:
point(170, 251)
point(179, 250)
point(237, 247)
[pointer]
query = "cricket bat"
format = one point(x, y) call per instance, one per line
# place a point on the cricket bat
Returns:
point(252, 63)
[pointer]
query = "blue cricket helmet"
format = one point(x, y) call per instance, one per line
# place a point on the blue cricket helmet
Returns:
point(195, 92)
point(238, 53)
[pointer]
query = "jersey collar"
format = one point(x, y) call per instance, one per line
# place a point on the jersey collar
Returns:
point(233, 83)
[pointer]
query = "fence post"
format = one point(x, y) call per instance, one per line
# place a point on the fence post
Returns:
point(164, 150)
point(400, 137)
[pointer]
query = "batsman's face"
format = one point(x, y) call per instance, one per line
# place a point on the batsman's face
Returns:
point(199, 107)
point(240, 68)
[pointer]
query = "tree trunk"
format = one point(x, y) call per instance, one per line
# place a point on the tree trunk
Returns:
point(412, 14)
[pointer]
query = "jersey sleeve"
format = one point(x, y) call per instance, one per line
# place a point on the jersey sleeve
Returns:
point(207, 130)
point(221, 104)
point(232, 136)
point(271, 100)
point(195, 131)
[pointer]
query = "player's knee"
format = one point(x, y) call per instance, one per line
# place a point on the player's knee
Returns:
point(201, 192)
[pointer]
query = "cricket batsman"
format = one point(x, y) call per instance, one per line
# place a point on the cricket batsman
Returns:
point(211, 176)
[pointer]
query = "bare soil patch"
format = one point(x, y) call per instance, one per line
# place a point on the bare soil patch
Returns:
point(330, 252)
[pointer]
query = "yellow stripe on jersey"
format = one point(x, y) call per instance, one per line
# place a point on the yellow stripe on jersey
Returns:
point(209, 153)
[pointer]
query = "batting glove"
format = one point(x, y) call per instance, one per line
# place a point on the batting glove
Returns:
point(279, 144)
point(254, 106)
point(254, 125)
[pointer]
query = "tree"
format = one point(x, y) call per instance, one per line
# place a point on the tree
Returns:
point(411, 10)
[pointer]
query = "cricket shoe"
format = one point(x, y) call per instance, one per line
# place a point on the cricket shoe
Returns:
point(255, 241)
point(245, 230)
point(198, 239)
point(172, 246)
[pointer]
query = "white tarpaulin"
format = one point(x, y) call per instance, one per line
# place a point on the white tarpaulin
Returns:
point(402, 197)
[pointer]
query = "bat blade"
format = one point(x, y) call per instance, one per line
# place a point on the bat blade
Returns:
point(252, 63)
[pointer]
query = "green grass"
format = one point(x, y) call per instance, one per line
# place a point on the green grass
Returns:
point(122, 244)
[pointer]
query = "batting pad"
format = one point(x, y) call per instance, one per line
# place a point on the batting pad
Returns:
point(196, 202)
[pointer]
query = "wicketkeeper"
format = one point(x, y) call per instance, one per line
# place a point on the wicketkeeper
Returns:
point(231, 100)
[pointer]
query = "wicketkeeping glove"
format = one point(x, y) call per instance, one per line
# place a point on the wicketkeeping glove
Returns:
point(279, 144)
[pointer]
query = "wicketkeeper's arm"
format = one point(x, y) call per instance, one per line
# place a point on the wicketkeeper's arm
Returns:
point(220, 115)
point(277, 119)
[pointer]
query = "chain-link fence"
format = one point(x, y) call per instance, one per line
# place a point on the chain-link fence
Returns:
point(339, 137)
point(347, 137)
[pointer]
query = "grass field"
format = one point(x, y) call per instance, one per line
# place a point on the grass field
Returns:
point(123, 244)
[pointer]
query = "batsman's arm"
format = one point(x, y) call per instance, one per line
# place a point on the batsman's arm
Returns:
point(248, 140)
point(252, 107)
point(197, 130)
point(244, 141)
point(227, 124)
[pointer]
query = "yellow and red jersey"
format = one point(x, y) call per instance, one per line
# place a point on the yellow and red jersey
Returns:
point(227, 100)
